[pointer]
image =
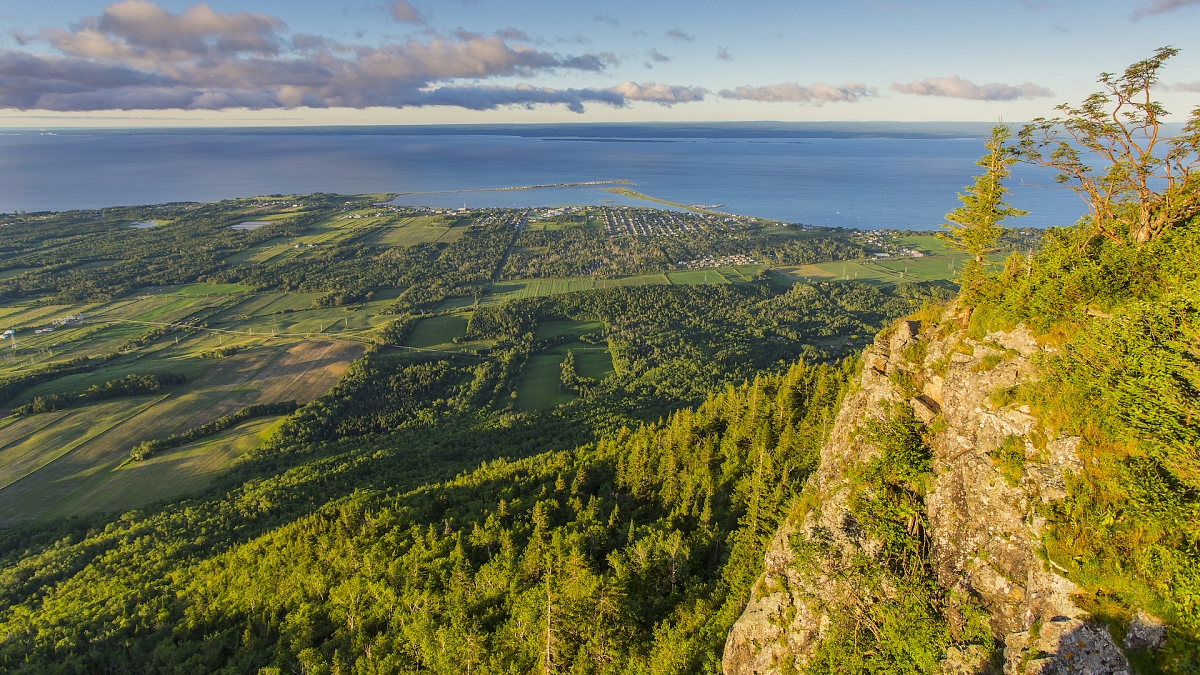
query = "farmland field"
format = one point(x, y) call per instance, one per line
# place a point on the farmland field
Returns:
point(640, 280)
point(417, 230)
point(525, 288)
point(176, 471)
point(439, 330)
point(48, 461)
point(455, 303)
point(209, 289)
point(696, 277)
point(15, 272)
point(539, 385)
point(288, 301)
point(34, 316)
point(592, 361)
point(741, 273)
point(549, 329)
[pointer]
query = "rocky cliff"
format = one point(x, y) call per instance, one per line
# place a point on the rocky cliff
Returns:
point(990, 467)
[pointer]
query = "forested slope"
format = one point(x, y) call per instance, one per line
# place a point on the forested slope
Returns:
point(410, 519)
point(635, 553)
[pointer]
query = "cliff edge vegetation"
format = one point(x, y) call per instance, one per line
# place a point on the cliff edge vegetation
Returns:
point(1014, 483)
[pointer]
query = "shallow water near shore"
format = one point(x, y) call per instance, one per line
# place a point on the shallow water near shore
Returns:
point(904, 183)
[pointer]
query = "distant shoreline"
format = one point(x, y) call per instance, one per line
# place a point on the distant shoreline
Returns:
point(591, 183)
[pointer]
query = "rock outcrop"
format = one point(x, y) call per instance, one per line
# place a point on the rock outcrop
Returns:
point(992, 465)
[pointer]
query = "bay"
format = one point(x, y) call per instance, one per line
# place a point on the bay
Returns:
point(864, 181)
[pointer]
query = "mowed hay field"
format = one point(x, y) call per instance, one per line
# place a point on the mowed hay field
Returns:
point(417, 230)
point(640, 280)
point(69, 466)
point(184, 469)
point(696, 277)
point(439, 330)
point(527, 288)
point(540, 386)
point(551, 329)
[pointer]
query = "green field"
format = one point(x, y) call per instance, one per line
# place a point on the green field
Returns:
point(640, 280)
point(27, 450)
point(187, 468)
point(190, 367)
point(62, 462)
point(268, 251)
point(35, 316)
point(550, 329)
point(696, 277)
point(177, 309)
point(526, 288)
point(455, 303)
point(251, 306)
point(194, 290)
point(927, 243)
point(439, 330)
point(289, 301)
point(592, 361)
point(417, 230)
point(741, 273)
point(15, 272)
point(539, 385)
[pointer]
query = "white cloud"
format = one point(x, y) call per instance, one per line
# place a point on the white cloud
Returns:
point(956, 87)
point(664, 94)
point(791, 92)
point(677, 34)
point(723, 54)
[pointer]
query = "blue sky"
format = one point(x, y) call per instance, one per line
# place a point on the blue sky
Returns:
point(74, 62)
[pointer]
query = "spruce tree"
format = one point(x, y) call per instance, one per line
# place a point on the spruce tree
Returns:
point(974, 227)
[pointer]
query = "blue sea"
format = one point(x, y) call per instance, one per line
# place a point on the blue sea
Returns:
point(894, 177)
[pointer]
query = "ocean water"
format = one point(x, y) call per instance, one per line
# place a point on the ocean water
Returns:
point(852, 181)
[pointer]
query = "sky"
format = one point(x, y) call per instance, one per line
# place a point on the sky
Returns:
point(78, 63)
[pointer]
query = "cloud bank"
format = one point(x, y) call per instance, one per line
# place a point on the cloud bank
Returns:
point(138, 56)
point(791, 92)
point(956, 87)
point(663, 94)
